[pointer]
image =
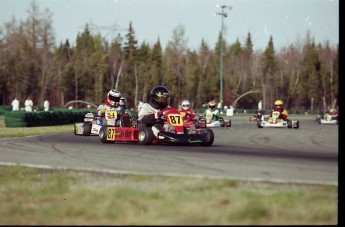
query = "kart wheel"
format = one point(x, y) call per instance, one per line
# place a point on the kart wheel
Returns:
point(210, 138)
point(145, 136)
point(75, 129)
point(103, 134)
point(297, 125)
point(221, 122)
point(228, 124)
point(87, 129)
point(259, 124)
point(289, 123)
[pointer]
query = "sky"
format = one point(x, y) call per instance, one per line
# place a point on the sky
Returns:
point(287, 21)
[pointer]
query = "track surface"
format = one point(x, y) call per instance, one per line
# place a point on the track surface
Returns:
point(243, 151)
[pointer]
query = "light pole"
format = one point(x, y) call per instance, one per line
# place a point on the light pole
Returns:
point(223, 14)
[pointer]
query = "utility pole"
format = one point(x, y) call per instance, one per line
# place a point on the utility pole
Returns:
point(223, 14)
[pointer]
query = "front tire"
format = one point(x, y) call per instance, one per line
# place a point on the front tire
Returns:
point(145, 136)
point(259, 124)
point(103, 134)
point(86, 129)
point(289, 123)
point(75, 129)
point(210, 138)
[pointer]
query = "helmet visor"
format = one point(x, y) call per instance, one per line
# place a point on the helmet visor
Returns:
point(114, 99)
point(162, 98)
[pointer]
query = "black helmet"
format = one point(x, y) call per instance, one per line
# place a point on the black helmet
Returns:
point(159, 97)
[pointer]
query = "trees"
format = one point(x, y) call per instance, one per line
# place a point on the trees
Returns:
point(303, 76)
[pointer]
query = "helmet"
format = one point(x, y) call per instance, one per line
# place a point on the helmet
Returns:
point(278, 104)
point(212, 105)
point(113, 97)
point(159, 97)
point(332, 111)
point(122, 101)
point(185, 104)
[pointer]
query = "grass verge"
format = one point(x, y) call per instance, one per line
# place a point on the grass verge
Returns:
point(45, 197)
point(28, 131)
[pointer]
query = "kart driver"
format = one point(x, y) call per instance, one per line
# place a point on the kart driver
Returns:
point(212, 110)
point(111, 102)
point(278, 106)
point(149, 113)
point(187, 113)
point(333, 112)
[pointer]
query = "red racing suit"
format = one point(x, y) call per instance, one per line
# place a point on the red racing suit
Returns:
point(283, 113)
point(187, 115)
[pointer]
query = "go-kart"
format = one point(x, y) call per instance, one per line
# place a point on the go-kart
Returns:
point(276, 122)
point(327, 119)
point(92, 126)
point(174, 131)
point(214, 121)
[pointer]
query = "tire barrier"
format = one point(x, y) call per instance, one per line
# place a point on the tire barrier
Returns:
point(15, 119)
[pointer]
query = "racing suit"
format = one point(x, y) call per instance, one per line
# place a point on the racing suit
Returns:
point(214, 113)
point(283, 113)
point(100, 111)
point(187, 115)
point(150, 116)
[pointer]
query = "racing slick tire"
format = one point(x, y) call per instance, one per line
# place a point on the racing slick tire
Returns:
point(210, 136)
point(103, 133)
point(289, 123)
point(145, 136)
point(258, 123)
point(87, 129)
point(297, 125)
point(221, 121)
point(74, 129)
point(228, 123)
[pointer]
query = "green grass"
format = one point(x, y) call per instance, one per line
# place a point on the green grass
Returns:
point(28, 131)
point(44, 197)
point(59, 197)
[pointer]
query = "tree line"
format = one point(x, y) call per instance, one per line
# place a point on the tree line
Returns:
point(303, 75)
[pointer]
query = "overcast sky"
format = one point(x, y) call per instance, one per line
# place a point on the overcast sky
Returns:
point(288, 21)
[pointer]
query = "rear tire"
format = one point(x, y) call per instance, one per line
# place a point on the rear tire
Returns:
point(228, 124)
point(210, 137)
point(297, 125)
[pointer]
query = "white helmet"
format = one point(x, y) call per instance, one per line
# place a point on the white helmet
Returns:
point(185, 104)
point(113, 97)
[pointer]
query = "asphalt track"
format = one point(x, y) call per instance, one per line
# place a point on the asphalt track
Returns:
point(243, 151)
